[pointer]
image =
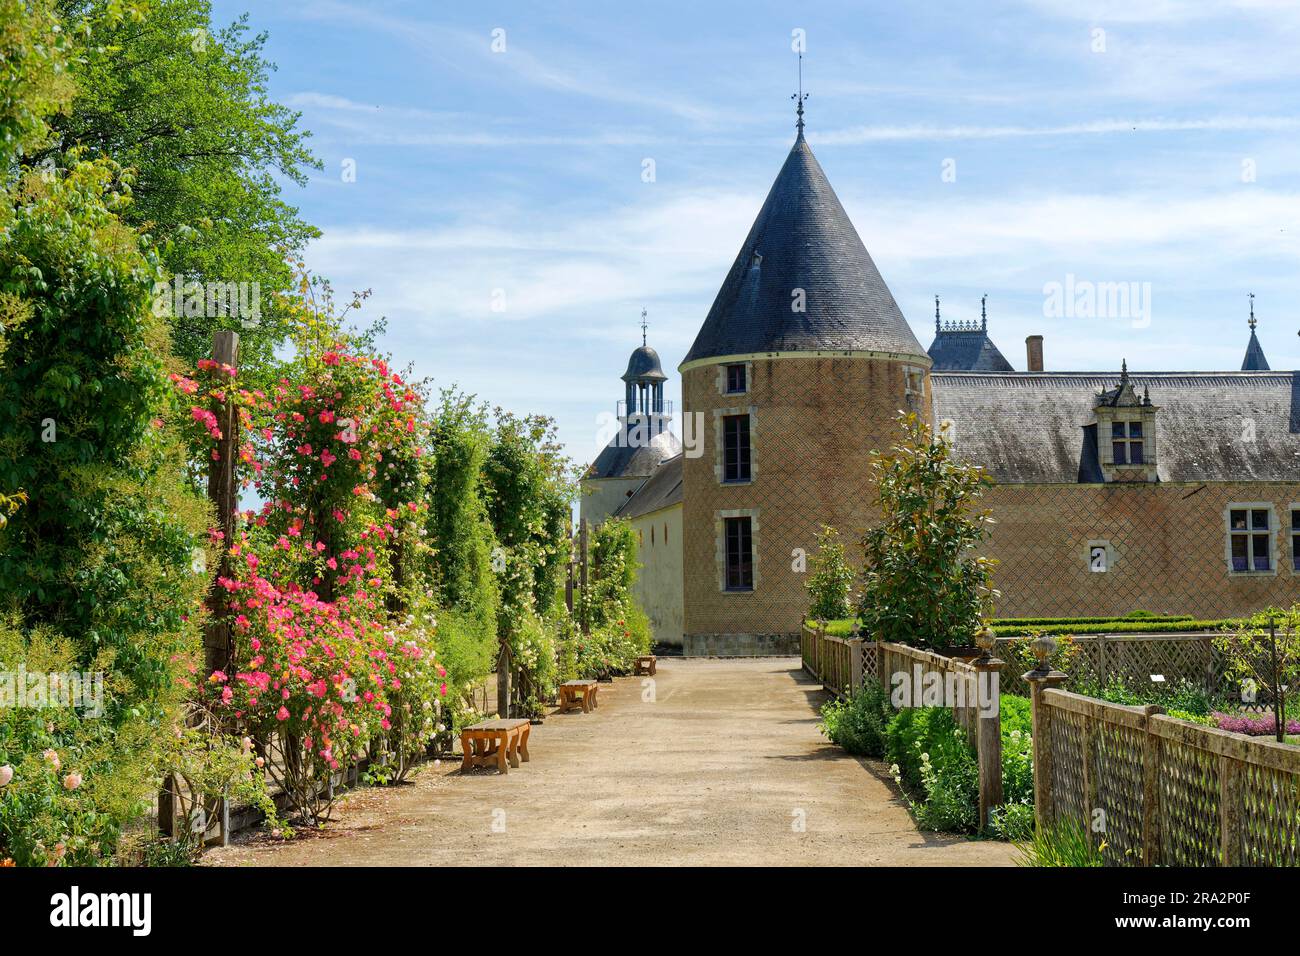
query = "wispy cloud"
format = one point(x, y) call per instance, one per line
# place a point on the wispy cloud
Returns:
point(868, 134)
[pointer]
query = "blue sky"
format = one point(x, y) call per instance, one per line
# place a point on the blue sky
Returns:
point(1164, 149)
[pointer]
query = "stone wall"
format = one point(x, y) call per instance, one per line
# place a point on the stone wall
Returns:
point(1166, 549)
point(814, 421)
point(658, 587)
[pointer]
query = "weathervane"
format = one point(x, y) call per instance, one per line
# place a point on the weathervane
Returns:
point(644, 325)
point(1251, 323)
point(799, 98)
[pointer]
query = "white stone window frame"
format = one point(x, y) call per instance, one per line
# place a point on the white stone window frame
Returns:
point(720, 443)
point(720, 541)
point(1250, 533)
point(914, 398)
point(1111, 555)
point(722, 378)
point(1292, 533)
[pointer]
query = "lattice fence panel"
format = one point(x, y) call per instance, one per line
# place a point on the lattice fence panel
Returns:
point(1132, 659)
point(1068, 795)
point(1270, 816)
point(1118, 767)
point(1189, 805)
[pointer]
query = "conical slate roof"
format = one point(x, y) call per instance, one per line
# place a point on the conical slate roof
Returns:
point(1254, 360)
point(803, 239)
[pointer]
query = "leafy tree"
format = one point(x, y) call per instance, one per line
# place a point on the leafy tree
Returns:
point(1267, 651)
point(830, 579)
point(98, 569)
point(161, 90)
point(34, 83)
point(921, 584)
point(460, 533)
point(530, 486)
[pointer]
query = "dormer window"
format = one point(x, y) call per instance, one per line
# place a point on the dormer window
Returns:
point(1127, 443)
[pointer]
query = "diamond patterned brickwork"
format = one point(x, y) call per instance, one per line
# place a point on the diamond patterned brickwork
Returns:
point(1167, 550)
point(815, 421)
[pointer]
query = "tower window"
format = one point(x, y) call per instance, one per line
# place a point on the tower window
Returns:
point(1295, 539)
point(736, 380)
point(740, 554)
point(735, 448)
point(1127, 443)
point(1250, 539)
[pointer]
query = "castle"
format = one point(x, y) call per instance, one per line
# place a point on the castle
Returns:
point(1174, 492)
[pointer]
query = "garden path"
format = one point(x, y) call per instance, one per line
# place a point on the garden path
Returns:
point(723, 766)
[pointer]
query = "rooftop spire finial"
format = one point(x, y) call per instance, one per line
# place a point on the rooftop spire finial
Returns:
point(1251, 323)
point(936, 315)
point(644, 324)
point(1123, 372)
point(799, 97)
point(984, 313)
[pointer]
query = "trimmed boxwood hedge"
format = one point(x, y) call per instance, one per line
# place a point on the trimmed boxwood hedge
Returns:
point(1132, 624)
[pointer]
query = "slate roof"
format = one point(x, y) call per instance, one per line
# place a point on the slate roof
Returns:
point(662, 489)
point(643, 366)
point(968, 350)
point(1029, 427)
point(1254, 360)
point(623, 459)
point(803, 239)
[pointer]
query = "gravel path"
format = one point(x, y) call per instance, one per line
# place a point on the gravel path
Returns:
point(717, 762)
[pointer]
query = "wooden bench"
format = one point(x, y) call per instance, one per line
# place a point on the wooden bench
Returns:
point(495, 742)
point(645, 665)
point(578, 693)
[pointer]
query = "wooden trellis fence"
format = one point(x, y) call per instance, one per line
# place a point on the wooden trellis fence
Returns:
point(1132, 659)
point(1158, 791)
point(840, 663)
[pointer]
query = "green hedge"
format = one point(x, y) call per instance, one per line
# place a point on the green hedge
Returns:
point(1182, 626)
point(1018, 627)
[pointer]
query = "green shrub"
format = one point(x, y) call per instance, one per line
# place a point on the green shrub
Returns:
point(1013, 822)
point(1128, 626)
point(1184, 696)
point(1015, 819)
point(858, 724)
point(830, 578)
point(936, 767)
point(922, 581)
point(1068, 843)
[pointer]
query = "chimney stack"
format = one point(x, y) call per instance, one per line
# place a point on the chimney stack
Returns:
point(1034, 352)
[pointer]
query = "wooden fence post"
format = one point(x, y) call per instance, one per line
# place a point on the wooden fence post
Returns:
point(217, 649)
point(1151, 756)
point(988, 737)
point(855, 665)
point(882, 668)
point(1040, 679)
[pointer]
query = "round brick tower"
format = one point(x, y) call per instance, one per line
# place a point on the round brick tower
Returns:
point(798, 372)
